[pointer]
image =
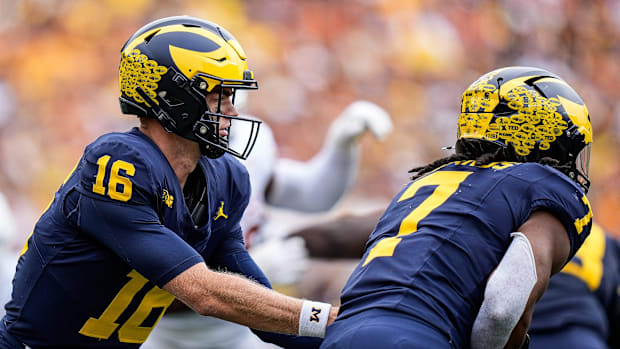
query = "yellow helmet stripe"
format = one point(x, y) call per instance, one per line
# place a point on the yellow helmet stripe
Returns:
point(192, 62)
point(221, 62)
point(578, 114)
point(511, 84)
point(237, 47)
point(195, 30)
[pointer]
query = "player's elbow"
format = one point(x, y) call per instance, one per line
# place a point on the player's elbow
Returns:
point(494, 323)
point(204, 310)
point(501, 313)
point(207, 306)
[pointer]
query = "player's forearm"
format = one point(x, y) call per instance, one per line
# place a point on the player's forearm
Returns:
point(518, 335)
point(243, 301)
point(234, 298)
point(507, 294)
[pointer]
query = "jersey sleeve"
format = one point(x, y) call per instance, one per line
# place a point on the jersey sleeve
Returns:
point(567, 203)
point(135, 234)
point(117, 208)
point(237, 194)
point(232, 256)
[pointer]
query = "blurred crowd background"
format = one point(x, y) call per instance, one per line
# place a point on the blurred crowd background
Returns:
point(59, 82)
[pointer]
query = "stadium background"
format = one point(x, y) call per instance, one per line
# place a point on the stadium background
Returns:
point(59, 60)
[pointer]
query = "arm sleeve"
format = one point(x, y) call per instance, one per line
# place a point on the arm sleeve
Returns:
point(505, 295)
point(232, 256)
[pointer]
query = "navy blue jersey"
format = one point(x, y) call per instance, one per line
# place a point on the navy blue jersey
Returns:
point(583, 294)
point(117, 230)
point(438, 241)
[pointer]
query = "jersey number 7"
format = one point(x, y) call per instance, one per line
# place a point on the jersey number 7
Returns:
point(447, 183)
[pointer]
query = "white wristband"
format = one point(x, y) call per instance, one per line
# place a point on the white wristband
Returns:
point(313, 318)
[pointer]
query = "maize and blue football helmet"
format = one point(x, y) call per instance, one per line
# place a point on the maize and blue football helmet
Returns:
point(169, 66)
point(534, 111)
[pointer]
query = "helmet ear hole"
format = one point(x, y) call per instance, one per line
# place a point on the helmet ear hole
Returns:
point(170, 100)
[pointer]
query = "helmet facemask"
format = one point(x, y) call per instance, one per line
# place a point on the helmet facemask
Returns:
point(207, 127)
point(582, 167)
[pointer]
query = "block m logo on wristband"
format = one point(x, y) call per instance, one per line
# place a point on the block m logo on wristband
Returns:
point(315, 314)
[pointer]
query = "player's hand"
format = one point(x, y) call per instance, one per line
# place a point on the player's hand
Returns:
point(358, 117)
point(283, 260)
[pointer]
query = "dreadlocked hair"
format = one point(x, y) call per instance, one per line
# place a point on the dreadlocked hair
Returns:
point(484, 152)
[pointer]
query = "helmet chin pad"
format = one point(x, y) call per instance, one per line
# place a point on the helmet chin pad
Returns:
point(210, 151)
point(211, 145)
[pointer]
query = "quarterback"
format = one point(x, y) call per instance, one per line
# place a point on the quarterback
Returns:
point(153, 213)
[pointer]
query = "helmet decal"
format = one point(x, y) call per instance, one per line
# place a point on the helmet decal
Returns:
point(531, 120)
point(136, 70)
point(534, 111)
point(480, 97)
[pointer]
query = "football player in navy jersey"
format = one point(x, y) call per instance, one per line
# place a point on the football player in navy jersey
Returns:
point(579, 308)
point(148, 215)
point(463, 252)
